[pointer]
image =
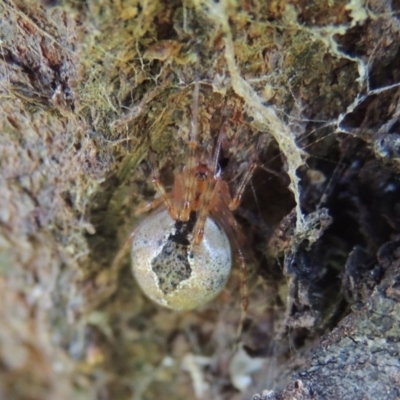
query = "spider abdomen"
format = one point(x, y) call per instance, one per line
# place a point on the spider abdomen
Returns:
point(173, 271)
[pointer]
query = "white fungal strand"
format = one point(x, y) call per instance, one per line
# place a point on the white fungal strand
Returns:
point(171, 270)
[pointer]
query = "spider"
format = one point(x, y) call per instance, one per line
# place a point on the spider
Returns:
point(182, 253)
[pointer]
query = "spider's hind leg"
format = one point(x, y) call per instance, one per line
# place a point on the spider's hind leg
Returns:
point(223, 214)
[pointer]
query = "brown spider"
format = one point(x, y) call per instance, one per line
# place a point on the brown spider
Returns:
point(181, 254)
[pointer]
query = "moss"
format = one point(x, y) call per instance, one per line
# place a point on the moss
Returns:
point(90, 89)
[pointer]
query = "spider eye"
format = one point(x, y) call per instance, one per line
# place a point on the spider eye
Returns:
point(202, 176)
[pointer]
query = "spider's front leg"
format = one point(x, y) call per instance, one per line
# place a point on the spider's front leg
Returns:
point(155, 178)
point(189, 183)
point(207, 192)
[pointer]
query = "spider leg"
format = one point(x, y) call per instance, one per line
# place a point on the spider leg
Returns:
point(224, 215)
point(209, 197)
point(155, 178)
point(189, 181)
point(212, 201)
point(206, 200)
point(177, 193)
point(235, 202)
point(244, 291)
point(217, 150)
point(149, 206)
